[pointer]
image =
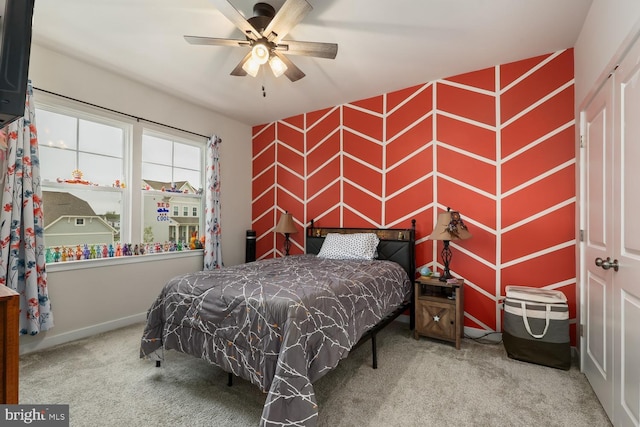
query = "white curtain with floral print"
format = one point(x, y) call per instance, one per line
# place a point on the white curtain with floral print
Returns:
point(22, 248)
point(213, 228)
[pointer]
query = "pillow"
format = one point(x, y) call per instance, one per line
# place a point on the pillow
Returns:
point(349, 246)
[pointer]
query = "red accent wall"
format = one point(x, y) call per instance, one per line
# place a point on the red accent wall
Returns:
point(495, 144)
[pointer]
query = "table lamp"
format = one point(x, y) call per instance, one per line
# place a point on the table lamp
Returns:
point(287, 227)
point(449, 226)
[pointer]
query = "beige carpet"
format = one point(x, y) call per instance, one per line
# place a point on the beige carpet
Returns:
point(417, 383)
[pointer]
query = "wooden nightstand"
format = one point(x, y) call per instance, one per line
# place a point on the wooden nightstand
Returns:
point(439, 308)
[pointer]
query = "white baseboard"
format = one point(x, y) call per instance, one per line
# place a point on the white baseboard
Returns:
point(43, 340)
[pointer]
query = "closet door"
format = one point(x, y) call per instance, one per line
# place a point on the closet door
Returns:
point(597, 283)
point(627, 241)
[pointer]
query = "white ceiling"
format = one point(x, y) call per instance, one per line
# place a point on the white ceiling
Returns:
point(384, 45)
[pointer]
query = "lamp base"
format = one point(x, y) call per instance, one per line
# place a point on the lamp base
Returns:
point(446, 259)
point(446, 275)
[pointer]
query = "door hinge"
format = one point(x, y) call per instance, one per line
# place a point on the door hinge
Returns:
point(581, 330)
point(581, 141)
point(582, 235)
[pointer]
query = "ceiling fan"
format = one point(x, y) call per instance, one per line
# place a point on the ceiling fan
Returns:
point(264, 34)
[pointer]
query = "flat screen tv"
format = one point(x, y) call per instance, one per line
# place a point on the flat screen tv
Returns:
point(15, 48)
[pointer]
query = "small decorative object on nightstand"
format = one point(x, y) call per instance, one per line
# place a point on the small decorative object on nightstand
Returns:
point(439, 308)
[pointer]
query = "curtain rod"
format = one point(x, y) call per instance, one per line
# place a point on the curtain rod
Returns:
point(120, 112)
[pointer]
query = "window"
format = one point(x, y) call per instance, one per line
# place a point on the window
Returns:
point(80, 157)
point(87, 164)
point(78, 150)
point(172, 174)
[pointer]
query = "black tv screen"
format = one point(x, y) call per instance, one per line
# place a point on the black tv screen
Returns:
point(15, 48)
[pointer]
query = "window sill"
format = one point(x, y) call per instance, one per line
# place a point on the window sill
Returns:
point(134, 259)
point(93, 187)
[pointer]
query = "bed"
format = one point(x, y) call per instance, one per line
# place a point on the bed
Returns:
point(283, 323)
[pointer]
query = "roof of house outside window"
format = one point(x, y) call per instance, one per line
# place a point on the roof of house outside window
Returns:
point(57, 204)
point(185, 220)
point(180, 185)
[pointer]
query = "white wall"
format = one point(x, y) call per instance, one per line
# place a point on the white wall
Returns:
point(99, 295)
point(86, 301)
point(608, 24)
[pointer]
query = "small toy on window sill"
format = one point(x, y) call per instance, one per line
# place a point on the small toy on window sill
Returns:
point(194, 242)
point(76, 178)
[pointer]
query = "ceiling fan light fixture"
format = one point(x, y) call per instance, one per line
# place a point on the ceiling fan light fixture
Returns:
point(251, 67)
point(260, 53)
point(277, 66)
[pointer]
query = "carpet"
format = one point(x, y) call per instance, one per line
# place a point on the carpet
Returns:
point(418, 383)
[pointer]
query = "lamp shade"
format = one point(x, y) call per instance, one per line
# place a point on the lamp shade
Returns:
point(260, 53)
point(277, 66)
point(251, 67)
point(286, 224)
point(449, 227)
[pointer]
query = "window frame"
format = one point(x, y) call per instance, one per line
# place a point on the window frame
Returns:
point(80, 111)
point(131, 216)
point(176, 136)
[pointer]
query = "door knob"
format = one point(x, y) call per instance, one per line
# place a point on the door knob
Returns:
point(607, 263)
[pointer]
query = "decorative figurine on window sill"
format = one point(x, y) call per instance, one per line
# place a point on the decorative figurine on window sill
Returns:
point(76, 178)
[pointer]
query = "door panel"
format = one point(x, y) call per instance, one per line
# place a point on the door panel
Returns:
point(596, 335)
point(628, 407)
point(627, 246)
point(597, 289)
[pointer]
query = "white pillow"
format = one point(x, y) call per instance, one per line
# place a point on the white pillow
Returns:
point(349, 246)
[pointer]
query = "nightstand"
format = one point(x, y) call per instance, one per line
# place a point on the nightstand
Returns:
point(439, 308)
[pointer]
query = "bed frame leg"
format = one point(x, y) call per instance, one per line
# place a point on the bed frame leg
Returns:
point(374, 351)
point(230, 379)
point(157, 363)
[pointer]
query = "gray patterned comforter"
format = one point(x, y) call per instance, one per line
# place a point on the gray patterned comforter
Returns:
point(280, 323)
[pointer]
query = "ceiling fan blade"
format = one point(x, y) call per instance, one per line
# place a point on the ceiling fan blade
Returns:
point(293, 73)
point(289, 15)
point(232, 14)
point(318, 50)
point(239, 71)
point(216, 42)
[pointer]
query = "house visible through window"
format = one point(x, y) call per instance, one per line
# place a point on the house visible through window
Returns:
point(172, 177)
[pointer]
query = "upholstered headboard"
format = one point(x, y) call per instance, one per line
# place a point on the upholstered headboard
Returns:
point(396, 244)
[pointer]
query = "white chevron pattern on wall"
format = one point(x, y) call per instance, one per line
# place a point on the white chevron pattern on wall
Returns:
point(496, 144)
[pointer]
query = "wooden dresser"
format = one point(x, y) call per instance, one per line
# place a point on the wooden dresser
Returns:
point(9, 345)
